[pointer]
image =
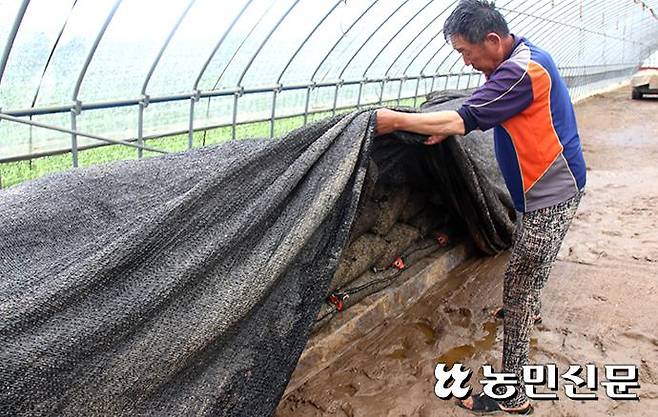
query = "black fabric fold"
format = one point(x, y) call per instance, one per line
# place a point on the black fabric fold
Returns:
point(188, 284)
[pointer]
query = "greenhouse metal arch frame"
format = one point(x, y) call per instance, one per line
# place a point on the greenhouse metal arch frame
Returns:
point(262, 61)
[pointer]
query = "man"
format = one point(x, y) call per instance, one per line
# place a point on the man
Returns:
point(538, 151)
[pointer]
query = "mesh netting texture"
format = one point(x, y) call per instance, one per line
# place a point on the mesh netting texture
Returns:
point(188, 284)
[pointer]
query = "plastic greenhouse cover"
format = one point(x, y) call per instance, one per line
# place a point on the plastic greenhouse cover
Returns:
point(217, 47)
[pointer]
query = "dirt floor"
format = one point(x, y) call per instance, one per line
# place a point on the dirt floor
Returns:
point(600, 305)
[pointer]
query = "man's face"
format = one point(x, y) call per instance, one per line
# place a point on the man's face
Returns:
point(484, 56)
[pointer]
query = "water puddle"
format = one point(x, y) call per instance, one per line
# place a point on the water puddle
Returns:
point(461, 353)
point(427, 331)
point(398, 354)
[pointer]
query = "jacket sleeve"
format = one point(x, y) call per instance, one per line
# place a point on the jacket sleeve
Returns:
point(504, 95)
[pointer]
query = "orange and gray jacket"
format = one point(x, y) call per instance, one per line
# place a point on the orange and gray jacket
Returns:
point(535, 134)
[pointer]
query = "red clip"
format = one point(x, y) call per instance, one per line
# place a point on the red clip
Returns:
point(399, 263)
point(337, 300)
point(441, 238)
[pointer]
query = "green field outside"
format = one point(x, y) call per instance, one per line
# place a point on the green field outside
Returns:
point(12, 173)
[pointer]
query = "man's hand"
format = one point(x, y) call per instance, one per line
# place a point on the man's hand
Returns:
point(436, 139)
point(385, 121)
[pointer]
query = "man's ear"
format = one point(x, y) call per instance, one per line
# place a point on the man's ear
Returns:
point(493, 39)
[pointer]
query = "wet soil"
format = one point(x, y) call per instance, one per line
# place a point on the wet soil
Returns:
point(600, 305)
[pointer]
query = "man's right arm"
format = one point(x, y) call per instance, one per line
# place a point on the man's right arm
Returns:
point(441, 123)
point(504, 95)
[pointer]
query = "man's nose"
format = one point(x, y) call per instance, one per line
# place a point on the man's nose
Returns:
point(466, 61)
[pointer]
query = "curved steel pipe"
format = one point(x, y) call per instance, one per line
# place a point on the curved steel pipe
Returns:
point(12, 37)
point(383, 48)
point(397, 58)
point(267, 38)
point(52, 52)
point(340, 75)
point(301, 46)
point(349, 29)
point(75, 110)
point(165, 45)
point(219, 44)
point(92, 51)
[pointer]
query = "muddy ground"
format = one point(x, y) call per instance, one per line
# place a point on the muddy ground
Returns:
point(600, 305)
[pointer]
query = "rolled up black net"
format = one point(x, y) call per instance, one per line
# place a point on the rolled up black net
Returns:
point(189, 284)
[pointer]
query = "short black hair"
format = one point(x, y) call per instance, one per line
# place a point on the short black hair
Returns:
point(473, 20)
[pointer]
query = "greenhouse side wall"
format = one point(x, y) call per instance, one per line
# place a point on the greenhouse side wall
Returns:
point(75, 76)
